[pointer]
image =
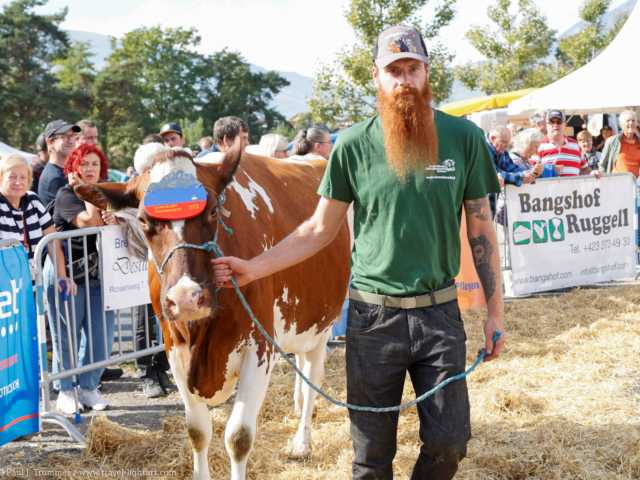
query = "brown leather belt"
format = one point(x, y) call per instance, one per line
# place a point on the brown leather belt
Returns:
point(428, 300)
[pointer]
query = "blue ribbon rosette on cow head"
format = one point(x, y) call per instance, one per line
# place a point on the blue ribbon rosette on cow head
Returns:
point(177, 196)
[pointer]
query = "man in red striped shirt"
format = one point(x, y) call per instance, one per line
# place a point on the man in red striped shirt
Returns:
point(566, 151)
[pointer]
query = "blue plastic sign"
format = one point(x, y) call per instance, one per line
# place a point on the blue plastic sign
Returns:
point(19, 379)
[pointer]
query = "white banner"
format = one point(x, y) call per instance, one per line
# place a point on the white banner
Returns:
point(126, 278)
point(571, 231)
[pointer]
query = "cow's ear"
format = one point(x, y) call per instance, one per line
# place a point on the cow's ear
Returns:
point(111, 196)
point(226, 168)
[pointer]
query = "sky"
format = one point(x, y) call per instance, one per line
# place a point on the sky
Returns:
point(285, 35)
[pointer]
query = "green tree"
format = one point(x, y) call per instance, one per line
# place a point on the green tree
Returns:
point(515, 50)
point(118, 112)
point(579, 49)
point(285, 129)
point(172, 77)
point(344, 90)
point(192, 132)
point(29, 44)
point(75, 73)
point(236, 90)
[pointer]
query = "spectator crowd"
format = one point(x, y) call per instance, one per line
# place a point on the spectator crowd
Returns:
point(40, 199)
point(520, 156)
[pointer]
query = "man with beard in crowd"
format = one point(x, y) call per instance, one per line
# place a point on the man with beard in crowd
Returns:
point(409, 171)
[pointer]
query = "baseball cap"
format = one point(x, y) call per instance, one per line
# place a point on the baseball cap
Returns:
point(41, 143)
point(170, 127)
point(399, 42)
point(59, 126)
point(555, 114)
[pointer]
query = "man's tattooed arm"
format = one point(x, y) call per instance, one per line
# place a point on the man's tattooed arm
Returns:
point(482, 250)
point(479, 207)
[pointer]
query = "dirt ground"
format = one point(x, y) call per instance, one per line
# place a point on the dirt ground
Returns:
point(128, 406)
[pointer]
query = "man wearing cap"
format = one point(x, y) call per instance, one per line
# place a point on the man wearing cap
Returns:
point(408, 171)
point(605, 133)
point(43, 154)
point(61, 140)
point(171, 133)
point(225, 132)
point(562, 150)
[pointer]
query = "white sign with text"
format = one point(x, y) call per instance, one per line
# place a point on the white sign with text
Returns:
point(571, 231)
point(126, 277)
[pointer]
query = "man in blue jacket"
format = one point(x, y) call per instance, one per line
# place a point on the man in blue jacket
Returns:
point(498, 140)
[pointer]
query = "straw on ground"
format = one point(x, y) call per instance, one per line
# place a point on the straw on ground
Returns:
point(561, 402)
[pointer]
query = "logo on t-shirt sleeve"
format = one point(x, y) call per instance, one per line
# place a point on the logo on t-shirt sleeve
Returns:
point(447, 166)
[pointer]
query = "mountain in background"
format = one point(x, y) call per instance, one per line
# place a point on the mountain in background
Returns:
point(609, 18)
point(293, 99)
point(100, 45)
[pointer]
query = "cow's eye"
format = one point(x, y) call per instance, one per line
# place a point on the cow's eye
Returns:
point(214, 211)
point(142, 221)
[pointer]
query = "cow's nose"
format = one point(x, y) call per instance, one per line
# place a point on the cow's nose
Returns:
point(187, 301)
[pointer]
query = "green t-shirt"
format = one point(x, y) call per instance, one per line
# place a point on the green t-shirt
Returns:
point(407, 238)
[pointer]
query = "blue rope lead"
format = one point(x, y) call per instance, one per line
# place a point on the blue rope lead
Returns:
point(213, 246)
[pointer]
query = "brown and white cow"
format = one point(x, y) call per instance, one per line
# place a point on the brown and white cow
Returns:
point(210, 340)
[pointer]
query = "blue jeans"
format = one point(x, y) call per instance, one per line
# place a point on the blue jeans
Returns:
point(88, 380)
point(383, 344)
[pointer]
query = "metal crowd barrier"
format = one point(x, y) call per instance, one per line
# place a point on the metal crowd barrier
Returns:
point(122, 354)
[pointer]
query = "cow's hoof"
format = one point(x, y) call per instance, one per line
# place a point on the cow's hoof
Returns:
point(313, 415)
point(298, 457)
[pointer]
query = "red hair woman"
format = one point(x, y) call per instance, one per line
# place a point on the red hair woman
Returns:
point(84, 165)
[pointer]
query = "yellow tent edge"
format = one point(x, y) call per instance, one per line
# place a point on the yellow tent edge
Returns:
point(467, 107)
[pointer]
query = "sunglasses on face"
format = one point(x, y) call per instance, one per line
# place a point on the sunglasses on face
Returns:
point(558, 122)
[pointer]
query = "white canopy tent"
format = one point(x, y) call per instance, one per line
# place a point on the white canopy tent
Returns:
point(7, 150)
point(607, 84)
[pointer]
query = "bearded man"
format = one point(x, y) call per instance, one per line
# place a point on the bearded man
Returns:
point(408, 171)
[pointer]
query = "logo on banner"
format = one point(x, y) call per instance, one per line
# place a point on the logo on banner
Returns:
point(556, 230)
point(540, 231)
point(521, 233)
point(177, 196)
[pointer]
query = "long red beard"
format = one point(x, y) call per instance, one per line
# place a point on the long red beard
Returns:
point(409, 129)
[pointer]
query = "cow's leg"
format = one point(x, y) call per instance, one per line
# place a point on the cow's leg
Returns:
point(241, 427)
point(198, 419)
point(298, 397)
point(314, 371)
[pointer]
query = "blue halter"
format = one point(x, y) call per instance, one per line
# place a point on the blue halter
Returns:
point(211, 246)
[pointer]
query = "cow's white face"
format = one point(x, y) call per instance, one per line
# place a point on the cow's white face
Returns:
point(187, 292)
point(184, 299)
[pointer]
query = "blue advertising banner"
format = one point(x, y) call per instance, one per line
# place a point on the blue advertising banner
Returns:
point(19, 405)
